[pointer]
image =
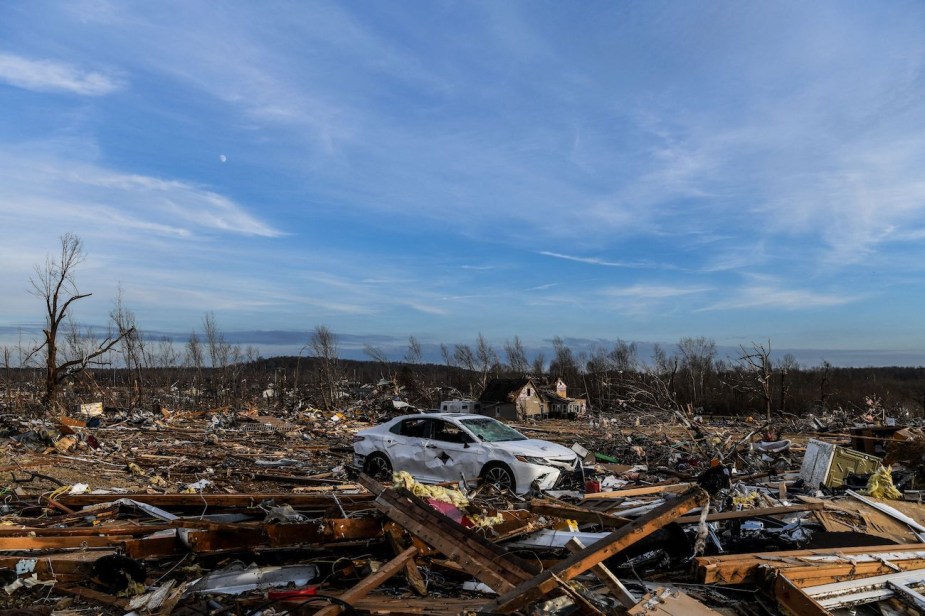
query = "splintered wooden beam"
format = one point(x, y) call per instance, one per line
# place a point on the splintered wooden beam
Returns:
point(751, 513)
point(371, 582)
point(49, 566)
point(547, 507)
point(794, 601)
point(605, 575)
point(412, 575)
point(312, 502)
point(744, 568)
point(641, 491)
point(15, 544)
point(615, 542)
point(480, 558)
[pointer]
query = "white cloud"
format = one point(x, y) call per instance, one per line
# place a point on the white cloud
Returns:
point(653, 291)
point(593, 260)
point(48, 188)
point(775, 297)
point(53, 76)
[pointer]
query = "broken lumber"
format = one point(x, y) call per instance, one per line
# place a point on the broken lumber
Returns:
point(606, 576)
point(642, 491)
point(669, 602)
point(744, 568)
point(549, 507)
point(487, 562)
point(751, 513)
point(615, 542)
point(370, 583)
point(794, 601)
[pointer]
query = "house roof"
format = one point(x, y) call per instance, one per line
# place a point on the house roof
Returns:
point(500, 390)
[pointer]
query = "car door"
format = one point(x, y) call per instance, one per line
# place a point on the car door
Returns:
point(405, 445)
point(452, 454)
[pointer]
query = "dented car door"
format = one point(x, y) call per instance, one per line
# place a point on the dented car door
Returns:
point(452, 454)
point(405, 446)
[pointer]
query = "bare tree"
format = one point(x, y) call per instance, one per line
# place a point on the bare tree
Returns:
point(599, 383)
point(194, 359)
point(447, 360)
point(487, 359)
point(465, 359)
point(323, 344)
point(516, 356)
point(54, 283)
point(377, 355)
point(825, 393)
point(414, 354)
point(785, 365)
point(757, 364)
point(8, 369)
point(166, 355)
point(219, 350)
point(538, 367)
point(697, 361)
point(624, 357)
point(131, 346)
point(564, 365)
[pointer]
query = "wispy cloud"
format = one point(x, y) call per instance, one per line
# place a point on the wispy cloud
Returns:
point(63, 190)
point(595, 260)
point(55, 76)
point(651, 291)
point(773, 297)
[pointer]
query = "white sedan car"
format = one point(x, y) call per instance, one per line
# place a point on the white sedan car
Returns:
point(435, 447)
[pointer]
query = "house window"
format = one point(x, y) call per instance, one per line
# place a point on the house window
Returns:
point(528, 391)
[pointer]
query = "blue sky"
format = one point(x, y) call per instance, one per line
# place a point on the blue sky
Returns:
point(599, 170)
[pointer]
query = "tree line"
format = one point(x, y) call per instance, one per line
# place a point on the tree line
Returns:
point(126, 368)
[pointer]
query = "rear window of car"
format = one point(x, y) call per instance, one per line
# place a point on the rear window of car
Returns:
point(419, 428)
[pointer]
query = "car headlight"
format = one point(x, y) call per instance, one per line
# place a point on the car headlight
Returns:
point(532, 460)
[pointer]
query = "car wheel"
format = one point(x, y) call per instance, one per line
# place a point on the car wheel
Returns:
point(378, 467)
point(499, 475)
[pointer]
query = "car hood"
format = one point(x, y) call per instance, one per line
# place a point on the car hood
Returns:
point(536, 448)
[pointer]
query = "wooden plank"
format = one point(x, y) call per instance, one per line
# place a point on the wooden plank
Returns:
point(153, 547)
point(794, 601)
point(93, 595)
point(606, 576)
point(583, 604)
point(743, 568)
point(313, 502)
point(371, 582)
point(751, 513)
point(412, 575)
point(487, 562)
point(50, 565)
point(670, 602)
point(380, 605)
point(107, 531)
point(615, 542)
point(643, 491)
point(13, 544)
point(817, 575)
point(548, 507)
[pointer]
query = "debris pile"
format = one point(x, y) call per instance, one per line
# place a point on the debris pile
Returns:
point(246, 512)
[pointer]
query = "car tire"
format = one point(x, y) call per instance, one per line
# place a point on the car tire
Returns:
point(378, 466)
point(499, 475)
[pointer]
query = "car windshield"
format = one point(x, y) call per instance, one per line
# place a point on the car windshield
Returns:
point(492, 431)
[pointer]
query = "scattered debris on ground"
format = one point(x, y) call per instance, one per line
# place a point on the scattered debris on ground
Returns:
point(138, 512)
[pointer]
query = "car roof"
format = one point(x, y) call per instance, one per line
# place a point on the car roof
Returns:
point(444, 416)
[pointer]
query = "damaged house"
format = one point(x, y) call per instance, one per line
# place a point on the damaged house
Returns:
point(511, 399)
point(556, 402)
point(522, 399)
